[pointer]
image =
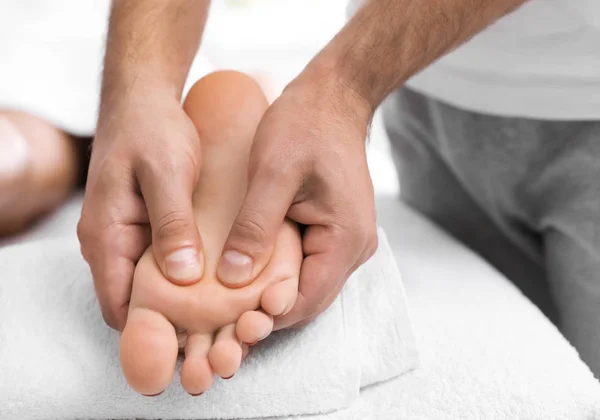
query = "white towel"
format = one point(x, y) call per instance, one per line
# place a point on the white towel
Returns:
point(486, 352)
point(59, 360)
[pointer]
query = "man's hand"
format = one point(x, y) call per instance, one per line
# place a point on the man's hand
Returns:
point(146, 154)
point(308, 160)
point(144, 167)
point(308, 163)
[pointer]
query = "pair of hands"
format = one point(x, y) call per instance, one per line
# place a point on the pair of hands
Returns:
point(308, 163)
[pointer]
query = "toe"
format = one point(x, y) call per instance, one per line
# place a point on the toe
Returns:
point(148, 351)
point(196, 372)
point(280, 297)
point(254, 326)
point(225, 355)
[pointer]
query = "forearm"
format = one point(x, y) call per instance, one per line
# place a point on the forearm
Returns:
point(388, 41)
point(151, 45)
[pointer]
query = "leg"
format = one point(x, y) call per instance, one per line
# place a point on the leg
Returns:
point(574, 274)
point(430, 186)
point(38, 169)
point(566, 194)
point(226, 108)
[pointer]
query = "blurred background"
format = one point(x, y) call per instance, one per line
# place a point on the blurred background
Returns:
point(51, 57)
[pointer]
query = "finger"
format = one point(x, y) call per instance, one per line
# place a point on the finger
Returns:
point(365, 255)
point(324, 271)
point(326, 304)
point(112, 270)
point(250, 242)
point(112, 250)
point(176, 242)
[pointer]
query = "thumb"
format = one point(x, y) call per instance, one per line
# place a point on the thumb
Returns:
point(250, 242)
point(176, 242)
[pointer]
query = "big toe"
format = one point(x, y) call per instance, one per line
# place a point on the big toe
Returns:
point(148, 351)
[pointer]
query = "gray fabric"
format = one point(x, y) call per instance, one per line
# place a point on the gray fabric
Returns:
point(524, 194)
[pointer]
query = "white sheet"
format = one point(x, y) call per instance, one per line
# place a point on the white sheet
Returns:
point(486, 352)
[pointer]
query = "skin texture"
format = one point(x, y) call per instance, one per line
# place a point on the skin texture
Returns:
point(307, 161)
point(225, 108)
point(38, 169)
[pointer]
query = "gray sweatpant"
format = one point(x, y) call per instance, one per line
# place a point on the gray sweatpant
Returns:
point(524, 194)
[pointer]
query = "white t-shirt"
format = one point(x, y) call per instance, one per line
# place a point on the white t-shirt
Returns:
point(541, 61)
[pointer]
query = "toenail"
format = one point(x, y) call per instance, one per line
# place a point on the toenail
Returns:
point(254, 343)
point(229, 377)
point(153, 395)
point(197, 395)
point(184, 265)
point(235, 268)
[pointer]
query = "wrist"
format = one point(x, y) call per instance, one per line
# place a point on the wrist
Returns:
point(133, 103)
point(134, 84)
point(367, 54)
point(323, 84)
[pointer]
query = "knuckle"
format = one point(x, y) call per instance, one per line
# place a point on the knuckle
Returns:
point(148, 168)
point(172, 225)
point(180, 162)
point(248, 228)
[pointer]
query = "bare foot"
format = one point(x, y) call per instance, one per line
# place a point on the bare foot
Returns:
point(38, 169)
point(226, 108)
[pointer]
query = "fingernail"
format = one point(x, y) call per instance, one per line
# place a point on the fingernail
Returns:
point(235, 268)
point(184, 265)
point(14, 149)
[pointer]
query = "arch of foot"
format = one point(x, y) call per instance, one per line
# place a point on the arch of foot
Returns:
point(211, 322)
